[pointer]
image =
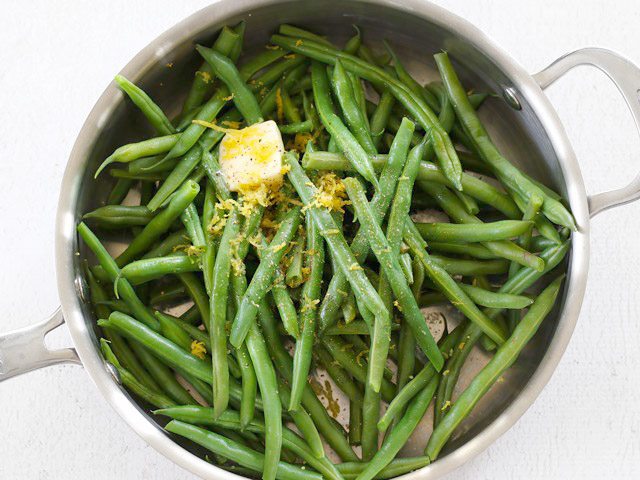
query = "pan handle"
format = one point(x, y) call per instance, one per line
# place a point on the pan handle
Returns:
point(626, 77)
point(24, 350)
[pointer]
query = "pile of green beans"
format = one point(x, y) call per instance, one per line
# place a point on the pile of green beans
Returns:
point(221, 312)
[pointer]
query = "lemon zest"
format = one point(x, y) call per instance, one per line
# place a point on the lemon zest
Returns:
point(198, 349)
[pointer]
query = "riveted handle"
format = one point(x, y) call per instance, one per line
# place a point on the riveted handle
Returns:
point(626, 76)
point(24, 350)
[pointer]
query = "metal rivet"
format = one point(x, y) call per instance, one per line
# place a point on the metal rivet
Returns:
point(114, 372)
point(511, 97)
point(81, 288)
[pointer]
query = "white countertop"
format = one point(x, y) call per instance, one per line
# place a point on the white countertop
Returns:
point(56, 59)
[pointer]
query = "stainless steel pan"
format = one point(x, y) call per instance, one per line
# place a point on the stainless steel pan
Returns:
point(524, 125)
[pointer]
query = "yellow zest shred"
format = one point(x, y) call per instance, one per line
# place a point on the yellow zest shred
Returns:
point(215, 127)
point(360, 355)
point(277, 248)
point(190, 250)
point(230, 97)
point(198, 349)
point(206, 76)
point(446, 405)
point(355, 266)
point(272, 47)
point(290, 56)
point(309, 304)
point(397, 305)
point(279, 105)
point(231, 124)
point(298, 42)
point(331, 193)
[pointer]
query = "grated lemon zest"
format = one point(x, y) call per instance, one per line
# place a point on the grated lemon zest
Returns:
point(198, 349)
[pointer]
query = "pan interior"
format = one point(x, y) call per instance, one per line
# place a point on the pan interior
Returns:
point(518, 133)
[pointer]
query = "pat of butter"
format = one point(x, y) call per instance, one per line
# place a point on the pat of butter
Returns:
point(252, 156)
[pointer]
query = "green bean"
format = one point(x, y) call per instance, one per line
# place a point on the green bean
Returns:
point(267, 382)
point(243, 98)
point(472, 186)
point(310, 296)
point(266, 376)
point(349, 308)
point(395, 468)
point(117, 343)
point(400, 434)
point(263, 277)
point(275, 73)
point(406, 341)
point(160, 223)
point(146, 148)
point(169, 245)
point(370, 416)
point(418, 382)
point(289, 109)
point(345, 140)
point(380, 202)
point(310, 112)
point(395, 228)
point(239, 453)
point(506, 355)
point(539, 243)
point(161, 347)
point(380, 117)
point(180, 173)
point(522, 280)
point(391, 268)
point(446, 155)
point(361, 99)
point(294, 277)
point(330, 430)
point(143, 176)
point(194, 288)
point(448, 286)
point(510, 176)
point(451, 232)
point(351, 109)
point(163, 376)
point(260, 61)
point(125, 289)
point(166, 294)
point(192, 225)
point(457, 266)
point(145, 270)
point(218, 309)
point(469, 203)
point(143, 391)
point(471, 249)
point(355, 366)
point(119, 191)
point(172, 328)
point(353, 44)
point(293, 31)
point(231, 420)
point(203, 79)
point(454, 209)
point(356, 327)
point(299, 127)
point(154, 114)
point(490, 299)
point(119, 216)
point(196, 129)
point(403, 75)
point(546, 229)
